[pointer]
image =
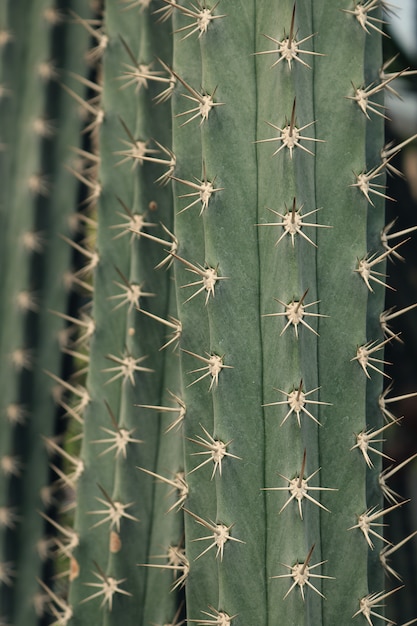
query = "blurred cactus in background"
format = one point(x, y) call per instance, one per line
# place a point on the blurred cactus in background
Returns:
point(194, 382)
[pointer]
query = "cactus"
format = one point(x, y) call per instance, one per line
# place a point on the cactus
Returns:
point(38, 200)
point(233, 414)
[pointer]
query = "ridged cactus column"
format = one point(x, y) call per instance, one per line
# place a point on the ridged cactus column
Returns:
point(221, 332)
point(238, 242)
point(38, 198)
point(115, 514)
point(348, 302)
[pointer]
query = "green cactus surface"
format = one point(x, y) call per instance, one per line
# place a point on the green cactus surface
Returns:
point(222, 459)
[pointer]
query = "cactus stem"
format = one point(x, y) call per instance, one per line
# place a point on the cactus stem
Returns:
point(126, 368)
point(200, 14)
point(298, 488)
point(387, 473)
point(367, 520)
point(214, 366)
point(221, 534)
point(297, 401)
point(178, 483)
point(366, 437)
point(295, 312)
point(388, 550)
point(292, 223)
point(301, 573)
point(291, 135)
point(216, 449)
point(371, 601)
point(107, 586)
point(289, 48)
point(363, 357)
point(180, 409)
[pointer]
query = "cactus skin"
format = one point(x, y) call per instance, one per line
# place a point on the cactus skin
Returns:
point(286, 398)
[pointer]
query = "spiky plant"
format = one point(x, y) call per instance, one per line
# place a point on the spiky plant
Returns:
point(233, 415)
point(38, 197)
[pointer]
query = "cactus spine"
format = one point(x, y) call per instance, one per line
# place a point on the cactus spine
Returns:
point(229, 470)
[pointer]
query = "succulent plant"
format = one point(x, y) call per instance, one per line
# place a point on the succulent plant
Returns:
point(232, 332)
point(39, 123)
